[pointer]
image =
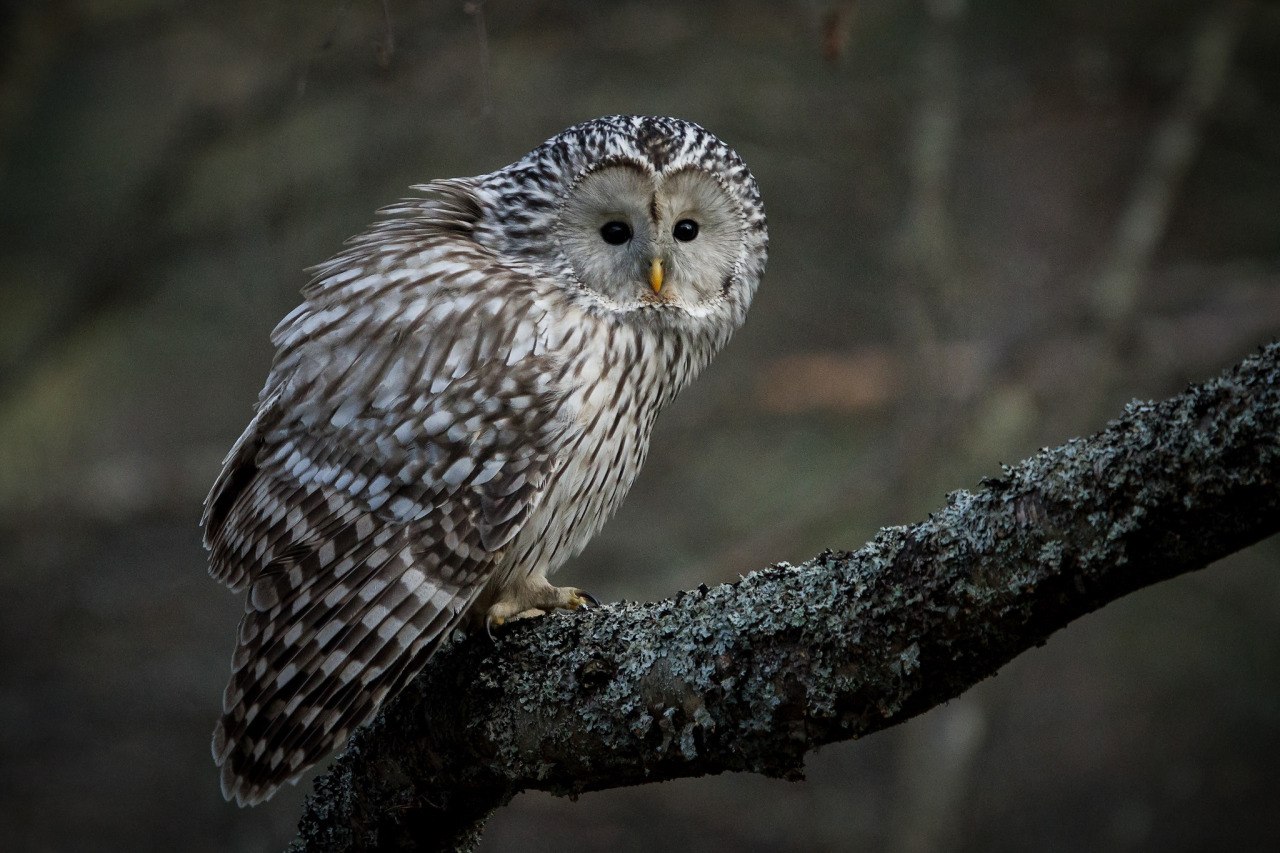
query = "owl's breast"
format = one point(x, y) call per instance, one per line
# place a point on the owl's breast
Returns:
point(617, 377)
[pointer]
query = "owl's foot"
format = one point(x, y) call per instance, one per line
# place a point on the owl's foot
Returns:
point(530, 602)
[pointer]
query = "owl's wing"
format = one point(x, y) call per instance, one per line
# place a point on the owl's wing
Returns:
point(405, 434)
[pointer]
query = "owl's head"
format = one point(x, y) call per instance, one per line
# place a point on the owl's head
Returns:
point(641, 213)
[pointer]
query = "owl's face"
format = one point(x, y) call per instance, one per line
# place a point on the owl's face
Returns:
point(640, 237)
point(640, 213)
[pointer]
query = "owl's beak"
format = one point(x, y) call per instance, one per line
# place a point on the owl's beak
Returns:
point(655, 275)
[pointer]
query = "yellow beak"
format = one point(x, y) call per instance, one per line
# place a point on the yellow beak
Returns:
point(655, 275)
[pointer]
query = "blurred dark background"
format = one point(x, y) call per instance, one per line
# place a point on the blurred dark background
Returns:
point(993, 224)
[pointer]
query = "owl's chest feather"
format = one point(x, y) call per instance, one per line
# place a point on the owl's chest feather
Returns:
point(617, 379)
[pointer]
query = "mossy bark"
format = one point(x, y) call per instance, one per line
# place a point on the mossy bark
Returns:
point(752, 675)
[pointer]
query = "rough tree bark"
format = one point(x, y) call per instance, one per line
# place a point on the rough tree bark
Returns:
point(752, 675)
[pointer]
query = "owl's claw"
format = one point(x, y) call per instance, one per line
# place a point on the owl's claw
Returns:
point(499, 620)
point(528, 604)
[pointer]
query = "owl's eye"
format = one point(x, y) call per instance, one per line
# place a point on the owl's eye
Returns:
point(685, 230)
point(615, 233)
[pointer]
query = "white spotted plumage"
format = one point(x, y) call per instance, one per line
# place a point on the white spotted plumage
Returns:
point(464, 397)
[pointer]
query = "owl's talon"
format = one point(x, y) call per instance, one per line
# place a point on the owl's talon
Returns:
point(537, 600)
point(491, 621)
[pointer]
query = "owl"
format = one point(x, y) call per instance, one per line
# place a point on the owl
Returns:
point(462, 399)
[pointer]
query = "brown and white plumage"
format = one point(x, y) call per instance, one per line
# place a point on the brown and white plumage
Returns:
point(463, 398)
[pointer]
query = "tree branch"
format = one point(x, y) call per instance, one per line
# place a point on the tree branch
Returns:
point(752, 675)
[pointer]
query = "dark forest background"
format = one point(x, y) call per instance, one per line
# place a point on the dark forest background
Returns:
point(993, 224)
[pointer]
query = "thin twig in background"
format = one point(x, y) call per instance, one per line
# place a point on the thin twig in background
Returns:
point(476, 10)
point(929, 277)
point(1175, 141)
point(385, 48)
